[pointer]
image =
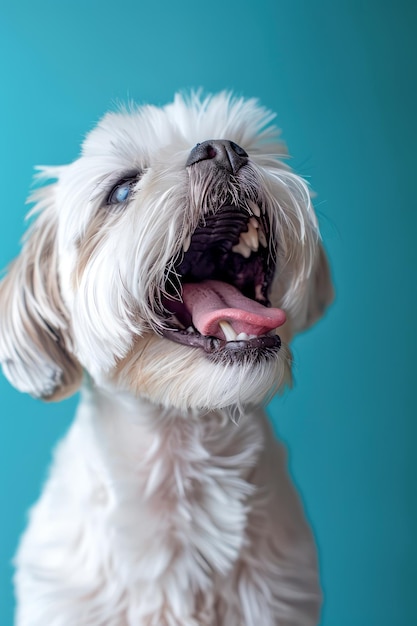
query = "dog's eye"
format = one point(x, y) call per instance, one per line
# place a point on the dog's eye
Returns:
point(121, 192)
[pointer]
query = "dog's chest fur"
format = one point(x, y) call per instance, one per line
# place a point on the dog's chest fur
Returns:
point(161, 510)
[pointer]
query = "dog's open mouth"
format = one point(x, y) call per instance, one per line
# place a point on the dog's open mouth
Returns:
point(223, 280)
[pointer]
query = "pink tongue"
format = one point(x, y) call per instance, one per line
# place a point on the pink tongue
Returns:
point(212, 301)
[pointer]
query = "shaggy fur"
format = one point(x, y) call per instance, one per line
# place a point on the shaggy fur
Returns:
point(168, 503)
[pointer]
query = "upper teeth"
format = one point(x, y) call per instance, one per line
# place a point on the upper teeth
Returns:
point(254, 208)
point(249, 241)
point(262, 238)
point(251, 236)
point(242, 248)
point(187, 243)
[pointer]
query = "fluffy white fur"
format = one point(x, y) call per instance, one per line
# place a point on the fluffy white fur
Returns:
point(168, 503)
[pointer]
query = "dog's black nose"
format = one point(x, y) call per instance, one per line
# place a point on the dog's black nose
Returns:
point(222, 152)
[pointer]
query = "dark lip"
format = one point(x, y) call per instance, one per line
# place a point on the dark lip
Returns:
point(219, 349)
point(250, 351)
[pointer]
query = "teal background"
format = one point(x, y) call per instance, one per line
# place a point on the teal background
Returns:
point(341, 76)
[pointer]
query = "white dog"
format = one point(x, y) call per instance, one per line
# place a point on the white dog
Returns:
point(157, 271)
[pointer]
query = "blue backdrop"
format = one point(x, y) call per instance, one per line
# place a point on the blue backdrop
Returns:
point(341, 76)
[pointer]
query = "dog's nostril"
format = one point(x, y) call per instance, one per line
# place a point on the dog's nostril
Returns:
point(222, 152)
point(211, 152)
point(240, 151)
point(201, 152)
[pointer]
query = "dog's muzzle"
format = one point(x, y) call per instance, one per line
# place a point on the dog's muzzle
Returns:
point(224, 272)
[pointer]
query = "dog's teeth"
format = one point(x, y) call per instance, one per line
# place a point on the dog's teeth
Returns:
point(228, 331)
point(242, 249)
point(254, 208)
point(258, 293)
point(250, 238)
point(242, 337)
point(187, 243)
point(262, 238)
point(253, 237)
point(249, 241)
point(246, 239)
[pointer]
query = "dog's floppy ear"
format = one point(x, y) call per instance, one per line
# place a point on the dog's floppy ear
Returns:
point(35, 338)
point(319, 292)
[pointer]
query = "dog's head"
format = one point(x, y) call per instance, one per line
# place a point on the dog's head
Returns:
point(175, 258)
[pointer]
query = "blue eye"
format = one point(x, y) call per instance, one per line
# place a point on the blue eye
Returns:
point(121, 192)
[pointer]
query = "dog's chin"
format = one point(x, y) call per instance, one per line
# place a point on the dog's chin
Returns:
point(189, 378)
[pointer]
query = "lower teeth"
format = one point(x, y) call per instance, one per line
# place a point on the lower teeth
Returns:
point(245, 337)
point(228, 331)
point(230, 334)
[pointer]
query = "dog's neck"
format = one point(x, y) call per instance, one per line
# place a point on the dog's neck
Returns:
point(105, 402)
point(131, 429)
